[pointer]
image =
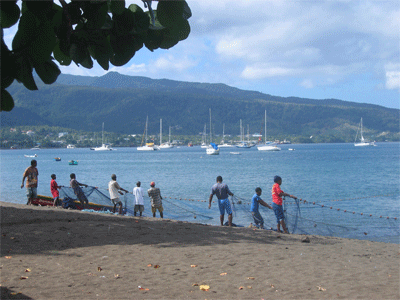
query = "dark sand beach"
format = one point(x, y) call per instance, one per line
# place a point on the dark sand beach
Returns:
point(50, 253)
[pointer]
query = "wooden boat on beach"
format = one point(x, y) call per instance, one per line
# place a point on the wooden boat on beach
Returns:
point(48, 201)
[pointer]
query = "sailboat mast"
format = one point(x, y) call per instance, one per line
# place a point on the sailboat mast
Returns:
point(147, 119)
point(160, 131)
point(102, 134)
point(169, 135)
point(265, 130)
point(210, 128)
point(223, 133)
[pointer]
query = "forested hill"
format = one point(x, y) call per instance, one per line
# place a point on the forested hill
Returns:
point(123, 102)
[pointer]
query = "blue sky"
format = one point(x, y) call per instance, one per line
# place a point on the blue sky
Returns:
point(343, 49)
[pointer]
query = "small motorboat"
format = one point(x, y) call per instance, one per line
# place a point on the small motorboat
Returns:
point(235, 153)
point(31, 155)
point(57, 158)
point(73, 162)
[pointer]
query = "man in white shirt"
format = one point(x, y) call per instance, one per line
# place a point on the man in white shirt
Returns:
point(139, 201)
point(114, 189)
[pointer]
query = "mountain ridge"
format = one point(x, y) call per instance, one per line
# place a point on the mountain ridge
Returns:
point(123, 102)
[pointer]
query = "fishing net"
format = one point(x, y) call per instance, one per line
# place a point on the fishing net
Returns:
point(301, 216)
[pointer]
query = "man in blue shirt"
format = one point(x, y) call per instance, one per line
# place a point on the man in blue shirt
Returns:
point(222, 191)
point(255, 201)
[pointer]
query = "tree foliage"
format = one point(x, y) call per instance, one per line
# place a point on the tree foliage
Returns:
point(80, 32)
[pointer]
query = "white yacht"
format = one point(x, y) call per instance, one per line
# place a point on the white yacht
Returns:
point(147, 146)
point(103, 147)
point(268, 146)
point(362, 141)
point(212, 149)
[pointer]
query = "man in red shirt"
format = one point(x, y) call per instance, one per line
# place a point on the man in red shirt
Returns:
point(277, 194)
point(54, 187)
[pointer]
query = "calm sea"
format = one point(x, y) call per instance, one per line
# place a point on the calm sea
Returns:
point(357, 179)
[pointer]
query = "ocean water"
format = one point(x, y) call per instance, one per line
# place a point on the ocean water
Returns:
point(361, 184)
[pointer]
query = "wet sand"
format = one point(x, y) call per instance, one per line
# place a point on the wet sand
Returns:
point(50, 253)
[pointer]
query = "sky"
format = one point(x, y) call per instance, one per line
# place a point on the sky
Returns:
point(341, 49)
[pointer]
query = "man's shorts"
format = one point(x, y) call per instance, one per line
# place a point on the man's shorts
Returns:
point(31, 192)
point(258, 219)
point(154, 209)
point(116, 201)
point(278, 210)
point(224, 205)
point(139, 207)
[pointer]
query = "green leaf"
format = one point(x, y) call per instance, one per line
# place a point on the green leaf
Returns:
point(7, 102)
point(124, 48)
point(39, 8)
point(48, 71)
point(180, 30)
point(80, 55)
point(59, 55)
point(28, 29)
point(9, 14)
point(23, 70)
point(96, 15)
point(169, 12)
point(135, 8)
point(124, 22)
point(42, 47)
point(141, 20)
point(7, 66)
point(117, 6)
point(102, 51)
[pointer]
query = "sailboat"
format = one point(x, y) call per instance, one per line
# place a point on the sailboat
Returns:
point(212, 149)
point(242, 143)
point(147, 146)
point(168, 144)
point(362, 142)
point(224, 145)
point(204, 138)
point(103, 147)
point(268, 146)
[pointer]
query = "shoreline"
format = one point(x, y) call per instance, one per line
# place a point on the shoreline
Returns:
point(74, 254)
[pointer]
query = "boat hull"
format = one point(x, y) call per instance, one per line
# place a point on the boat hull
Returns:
point(268, 148)
point(48, 201)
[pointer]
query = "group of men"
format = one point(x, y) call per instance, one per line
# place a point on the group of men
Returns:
point(219, 189)
point(154, 194)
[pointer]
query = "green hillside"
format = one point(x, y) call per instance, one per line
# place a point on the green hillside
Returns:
point(123, 102)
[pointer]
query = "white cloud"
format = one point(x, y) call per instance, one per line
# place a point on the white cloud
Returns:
point(307, 83)
point(259, 72)
point(392, 72)
point(171, 63)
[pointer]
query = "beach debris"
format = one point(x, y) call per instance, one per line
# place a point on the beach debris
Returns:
point(99, 269)
point(117, 276)
point(143, 289)
point(241, 287)
point(193, 266)
point(223, 274)
point(204, 287)
point(156, 266)
point(320, 288)
point(195, 284)
point(272, 286)
point(305, 240)
point(149, 265)
point(8, 257)
point(251, 278)
point(249, 287)
point(27, 270)
point(14, 293)
point(23, 277)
